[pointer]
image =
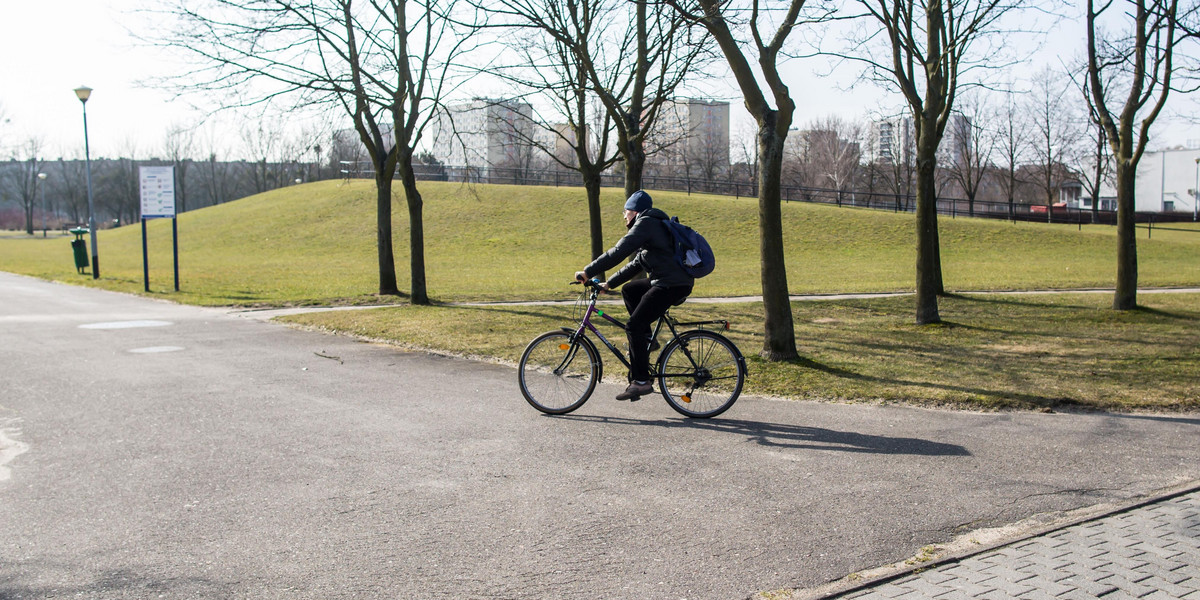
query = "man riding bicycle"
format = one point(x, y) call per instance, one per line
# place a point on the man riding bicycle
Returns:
point(666, 285)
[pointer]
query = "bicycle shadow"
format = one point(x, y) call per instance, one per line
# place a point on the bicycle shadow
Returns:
point(798, 437)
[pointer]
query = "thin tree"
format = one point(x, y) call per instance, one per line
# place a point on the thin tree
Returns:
point(385, 63)
point(551, 45)
point(632, 58)
point(1011, 145)
point(971, 150)
point(774, 118)
point(25, 178)
point(177, 148)
point(1055, 135)
point(1132, 70)
point(1095, 162)
point(929, 43)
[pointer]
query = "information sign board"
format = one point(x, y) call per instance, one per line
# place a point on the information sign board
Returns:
point(158, 192)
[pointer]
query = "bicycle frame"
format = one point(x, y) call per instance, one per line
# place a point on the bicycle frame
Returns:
point(586, 325)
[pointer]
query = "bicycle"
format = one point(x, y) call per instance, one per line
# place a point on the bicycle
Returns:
point(700, 372)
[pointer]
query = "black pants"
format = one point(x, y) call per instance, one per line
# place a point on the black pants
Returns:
point(646, 303)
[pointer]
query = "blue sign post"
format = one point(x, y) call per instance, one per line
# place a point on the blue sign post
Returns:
point(158, 202)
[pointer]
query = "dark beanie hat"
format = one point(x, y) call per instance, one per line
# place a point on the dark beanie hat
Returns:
point(638, 202)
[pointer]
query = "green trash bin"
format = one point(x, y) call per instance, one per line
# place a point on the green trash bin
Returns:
point(80, 248)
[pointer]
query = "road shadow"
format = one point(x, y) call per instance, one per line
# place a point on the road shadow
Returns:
point(1181, 420)
point(780, 435)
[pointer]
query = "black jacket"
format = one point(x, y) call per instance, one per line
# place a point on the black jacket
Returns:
point(655, 248)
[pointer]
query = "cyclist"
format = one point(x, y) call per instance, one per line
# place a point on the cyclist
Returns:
point(666, 285)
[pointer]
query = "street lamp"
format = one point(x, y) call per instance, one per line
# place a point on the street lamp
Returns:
point(42, 184)
point(84, 92)
point(1196, 195)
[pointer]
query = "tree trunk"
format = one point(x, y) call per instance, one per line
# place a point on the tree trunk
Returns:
point(1127, 276)
point(591, 183)
point(416, 231)
point(928, 265)
point(779, 341)
point(383, 240)
point(635, 165)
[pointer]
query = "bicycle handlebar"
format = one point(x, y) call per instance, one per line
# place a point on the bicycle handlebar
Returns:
point(591, 283)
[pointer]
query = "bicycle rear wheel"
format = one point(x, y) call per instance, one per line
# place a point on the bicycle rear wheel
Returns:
point(558, 374)
point(701, 374)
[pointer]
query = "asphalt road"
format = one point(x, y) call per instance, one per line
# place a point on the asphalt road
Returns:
point(155, 450)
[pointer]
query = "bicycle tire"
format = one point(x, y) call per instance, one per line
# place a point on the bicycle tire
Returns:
point(554, 377)
point(701, 373)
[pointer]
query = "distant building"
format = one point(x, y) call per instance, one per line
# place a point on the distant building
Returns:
point(896, 141)
point(1166, 181)
point(485, 134)
point(694, 138)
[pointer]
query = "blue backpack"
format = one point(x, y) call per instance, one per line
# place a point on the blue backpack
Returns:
point(692, 251)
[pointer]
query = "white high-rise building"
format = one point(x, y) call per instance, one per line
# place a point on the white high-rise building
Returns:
point(695, 136)
point(484, 133)
point(896, 141)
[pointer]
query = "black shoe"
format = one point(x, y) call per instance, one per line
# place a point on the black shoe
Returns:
point(635, 391)
point(653, 345)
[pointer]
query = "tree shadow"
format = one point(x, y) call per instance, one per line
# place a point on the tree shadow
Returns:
point(779, 435)
point(1004, 394)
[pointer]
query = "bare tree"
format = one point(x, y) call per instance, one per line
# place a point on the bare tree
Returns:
point(929, 43)
point(1095, 164)
point(834, 153)
point(556, 69)
point(1011, 144)
point(177, 148)
point(632, 58)
point(386, 63)
point(1136, 60)
point(25, 177)
point(971, 149)
point(774, 118)
point(1056, 132)
point(214, 171)
point(745, 153)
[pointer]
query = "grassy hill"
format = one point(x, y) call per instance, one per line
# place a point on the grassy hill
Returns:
point(315, 243)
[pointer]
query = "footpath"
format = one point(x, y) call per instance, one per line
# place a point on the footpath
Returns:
point(1149, 549)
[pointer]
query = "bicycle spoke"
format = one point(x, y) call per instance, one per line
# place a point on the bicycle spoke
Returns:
point(555, 380)
point(701, 374)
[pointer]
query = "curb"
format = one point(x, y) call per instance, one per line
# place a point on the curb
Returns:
point(895, 571)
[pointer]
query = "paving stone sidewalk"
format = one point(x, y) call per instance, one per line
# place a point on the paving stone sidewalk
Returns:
point(1152, 551)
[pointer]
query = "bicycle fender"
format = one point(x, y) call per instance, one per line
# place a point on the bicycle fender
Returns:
point(737, 352)
point(583, 339)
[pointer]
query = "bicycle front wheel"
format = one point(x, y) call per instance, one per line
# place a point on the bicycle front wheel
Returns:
point(701, 374)
point(557, 373)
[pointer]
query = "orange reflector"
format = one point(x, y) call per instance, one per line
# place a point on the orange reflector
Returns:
point(564, 346)
point(687, 399)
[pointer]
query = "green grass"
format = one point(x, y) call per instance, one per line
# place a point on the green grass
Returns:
point(315, 244)
point(993, 352)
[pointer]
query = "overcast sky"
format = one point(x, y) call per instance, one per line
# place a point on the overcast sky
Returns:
point(50, 48)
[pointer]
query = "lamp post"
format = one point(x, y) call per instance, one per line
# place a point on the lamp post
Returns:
point(84, 92)
point(1196, 195)
point(42, 184)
